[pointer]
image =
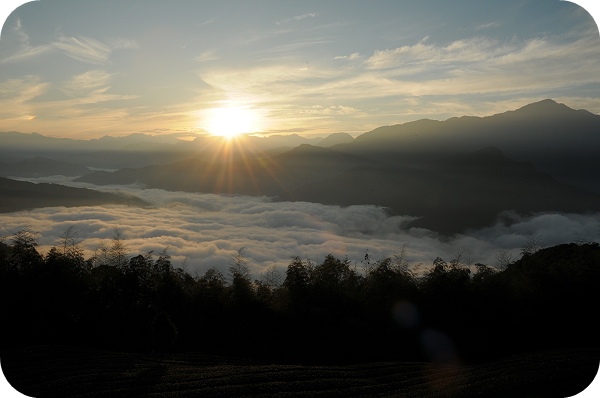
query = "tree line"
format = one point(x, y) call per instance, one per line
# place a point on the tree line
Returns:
point(322, 312)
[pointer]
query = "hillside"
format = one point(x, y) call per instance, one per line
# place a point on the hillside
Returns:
point(450, 193)
point(41, 166)
point(271, 176)
point(20, 195)
point(556, 139)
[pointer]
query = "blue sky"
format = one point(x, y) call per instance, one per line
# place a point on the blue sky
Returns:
point(85, 69)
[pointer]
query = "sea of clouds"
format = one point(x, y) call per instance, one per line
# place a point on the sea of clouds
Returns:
point(201, 231)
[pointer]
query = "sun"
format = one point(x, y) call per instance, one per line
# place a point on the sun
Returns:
point(231, 121)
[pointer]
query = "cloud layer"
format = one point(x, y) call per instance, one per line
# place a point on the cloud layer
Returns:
point(205, 230)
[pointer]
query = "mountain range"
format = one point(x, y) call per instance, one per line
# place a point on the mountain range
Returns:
point(454, 175)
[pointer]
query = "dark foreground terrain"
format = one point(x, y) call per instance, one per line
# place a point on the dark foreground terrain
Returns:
point(61, 371)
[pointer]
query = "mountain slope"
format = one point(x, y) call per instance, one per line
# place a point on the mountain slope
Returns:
point(558, 140)
point(20, 195)
point(450, 193)
point(271, 176)
point(454, 193)
point(40, 166)
point(335, 139)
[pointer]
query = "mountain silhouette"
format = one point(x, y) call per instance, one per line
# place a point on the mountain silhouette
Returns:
point(21, 195)
point(558, 140)
point(41, 166)
point(454, 174)
point(336, 138)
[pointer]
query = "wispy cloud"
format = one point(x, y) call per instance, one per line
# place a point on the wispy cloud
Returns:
point(489, 25)
point(330, 110)
point(297, 18)
point(91, 80)
point(81, 48)
point(350, 57)
point(15, 95)
point(206, 56)
point(469, 66)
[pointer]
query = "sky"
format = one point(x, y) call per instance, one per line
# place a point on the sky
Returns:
point(85, 69)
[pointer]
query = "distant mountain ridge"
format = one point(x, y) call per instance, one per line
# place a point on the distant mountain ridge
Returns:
point(558, 140)
point(41, 166)
point(21, 195)
point(454, 174)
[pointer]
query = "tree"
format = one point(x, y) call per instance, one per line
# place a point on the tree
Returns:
point(463, 256)
point(272, 277)
point(399, 261)
point(68, 252)
point(483, 272)
point(118, 250)
point(241, 285)
point(114, 254)
point(69, 244)
point(101, 255)
point(503, 259)
point(239, 268)
point(23, 255)
point(334, 276)
point(532, 244)
point(297, 275)
point(162, 265)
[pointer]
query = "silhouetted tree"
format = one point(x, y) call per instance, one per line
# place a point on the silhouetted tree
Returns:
point(23, 256)
point(272, 277)
point(118, 250)
point(503, 259)
point(68, 253)
point(162, 265)
point(241, 286)
point(334, 275)
point(531, 245)
point(239, 266)
point(297, 276)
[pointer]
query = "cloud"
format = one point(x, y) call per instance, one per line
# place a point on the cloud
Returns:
point(207, 56)
point(330, 110)
point(81, 48)
point(206, 230)
point(15, 95)
point(350, 57)
point(84, 83)
point(383, 83)
point(489, 25)
point(297, 18)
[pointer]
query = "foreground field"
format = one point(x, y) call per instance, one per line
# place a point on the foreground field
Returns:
point(51, 371)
